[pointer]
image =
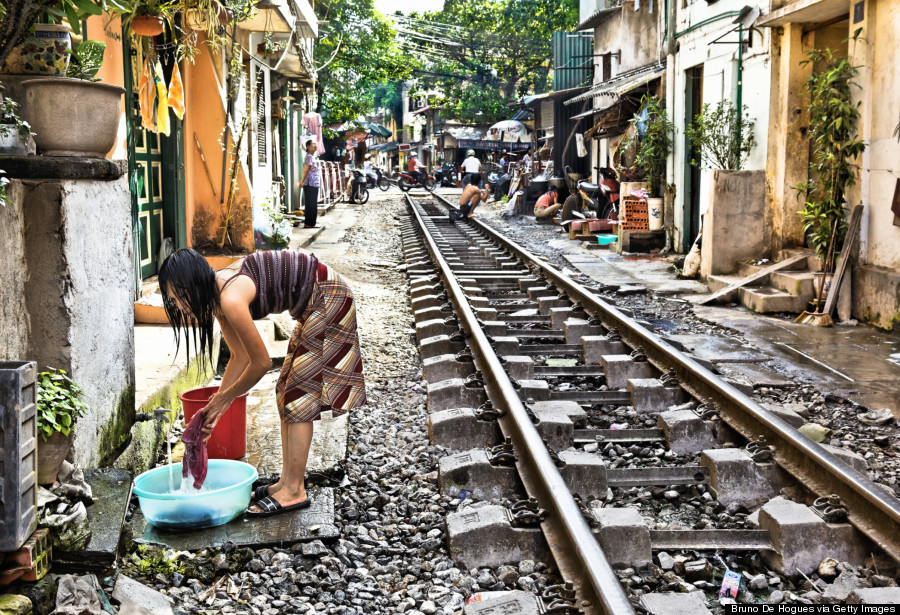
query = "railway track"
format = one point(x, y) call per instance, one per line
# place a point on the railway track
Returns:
point(524, 363)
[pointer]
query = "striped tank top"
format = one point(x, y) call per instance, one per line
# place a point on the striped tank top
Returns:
point(284, 281)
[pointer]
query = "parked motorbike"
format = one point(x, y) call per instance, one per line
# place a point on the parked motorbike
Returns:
point(499, 183)
point(407, 182)
point(445, 175)
point(594, 200)
point(358, 192)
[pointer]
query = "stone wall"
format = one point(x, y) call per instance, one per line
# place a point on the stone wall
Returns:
point(67, 296)
point(14, 326)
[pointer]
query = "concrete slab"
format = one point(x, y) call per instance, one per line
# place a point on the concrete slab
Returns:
point(717, 349)
point(329, 445)
point(111, 491)
point(313, 523)
point(157, 365)
point(875, 595)
point(134, 595)
point(840, 357)
point(670, 603)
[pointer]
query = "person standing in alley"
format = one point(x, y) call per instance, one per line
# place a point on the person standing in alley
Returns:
point(310, 182)
point(322, 369)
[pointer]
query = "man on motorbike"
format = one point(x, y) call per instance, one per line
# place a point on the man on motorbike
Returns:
point(469, 166)
point(369, 170)
point(413, 168)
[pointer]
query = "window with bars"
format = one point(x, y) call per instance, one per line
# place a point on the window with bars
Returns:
point(261, 150)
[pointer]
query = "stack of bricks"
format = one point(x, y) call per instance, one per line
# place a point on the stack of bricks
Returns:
point(635, 213)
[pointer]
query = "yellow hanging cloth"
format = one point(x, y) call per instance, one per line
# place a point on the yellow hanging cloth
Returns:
point(176, 93)
point(146, 97)
point(162, 102)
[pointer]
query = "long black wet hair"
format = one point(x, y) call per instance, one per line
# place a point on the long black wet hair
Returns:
point(185, 274)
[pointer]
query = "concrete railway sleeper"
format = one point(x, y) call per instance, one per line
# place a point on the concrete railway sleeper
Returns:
point(513, 349)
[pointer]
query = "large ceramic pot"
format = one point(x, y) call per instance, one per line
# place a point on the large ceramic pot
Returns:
point(73, 117)
point(51, 454)
point(44, 53)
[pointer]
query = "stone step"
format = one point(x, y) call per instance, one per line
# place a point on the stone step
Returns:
point(768, 300)
point(799, 283)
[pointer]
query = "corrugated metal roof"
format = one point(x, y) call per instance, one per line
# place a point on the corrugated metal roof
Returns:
point(598, 17)
point(620, 84)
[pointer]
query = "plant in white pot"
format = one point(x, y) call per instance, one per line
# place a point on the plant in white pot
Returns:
point(833, 121)
point(654, 131)
point(90, 121)
point(59, 406)
point(15, 133)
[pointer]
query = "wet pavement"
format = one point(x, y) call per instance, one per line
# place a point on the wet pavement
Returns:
point(313, 523)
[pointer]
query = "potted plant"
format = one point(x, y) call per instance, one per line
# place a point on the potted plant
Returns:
point(723, 135)
point(653, 132)
point(92, 110)
point(269, 47)
point(148, 17)
point(833, 120)
point(15, 133)
point(59, 406)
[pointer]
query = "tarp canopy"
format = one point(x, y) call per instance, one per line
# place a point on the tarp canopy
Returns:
point(386, 147)
point(621, 84)
point(508, 130)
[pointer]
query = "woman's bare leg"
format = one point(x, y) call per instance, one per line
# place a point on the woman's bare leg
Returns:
point(285, 443)
point(296, 455)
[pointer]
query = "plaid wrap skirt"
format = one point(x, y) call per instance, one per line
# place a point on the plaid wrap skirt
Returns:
point(323, 366)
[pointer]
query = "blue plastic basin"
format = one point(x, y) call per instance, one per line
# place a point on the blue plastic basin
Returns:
point(226, 496)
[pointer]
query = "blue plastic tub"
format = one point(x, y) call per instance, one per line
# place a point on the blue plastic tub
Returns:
point(225, 496)
point(605, 240)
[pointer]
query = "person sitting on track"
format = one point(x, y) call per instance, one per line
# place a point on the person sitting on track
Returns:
point(469, 199)
point(548, 204)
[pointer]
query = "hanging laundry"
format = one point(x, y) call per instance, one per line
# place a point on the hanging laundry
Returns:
point(176, 93)
point(162, 100)
point(147, 97)
point(312, 121)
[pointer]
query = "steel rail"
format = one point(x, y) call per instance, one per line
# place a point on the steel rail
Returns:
point(580, 552)
point(872, 510)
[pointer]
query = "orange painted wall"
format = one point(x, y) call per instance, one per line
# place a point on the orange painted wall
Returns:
point(205, 116)
point(111, 71)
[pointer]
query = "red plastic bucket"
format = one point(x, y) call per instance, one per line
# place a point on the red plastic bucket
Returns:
point(229, 438)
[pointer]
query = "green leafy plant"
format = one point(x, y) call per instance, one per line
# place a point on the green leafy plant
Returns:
point(87, 58)
point(833, 120)
point(59, 403)
point(652, 140)
point(4, 184)
point(150, 561)
point(281, 236)
point(269, 46)
point(10, 120)
point(724, 136)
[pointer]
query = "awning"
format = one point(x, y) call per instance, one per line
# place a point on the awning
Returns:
point(805, 11)
point(523, 115)
point(377, 129)
point(621, 84)
point(614, 119)
point(598, 17)
point(386, 147)
point(427, 108)
point(548, 96)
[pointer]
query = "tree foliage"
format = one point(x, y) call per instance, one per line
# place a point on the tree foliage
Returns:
point(482, 54)
point(833, 121)
point(356, 51)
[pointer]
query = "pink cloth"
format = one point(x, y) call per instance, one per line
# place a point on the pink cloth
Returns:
point(312, 121)
point(195, 455)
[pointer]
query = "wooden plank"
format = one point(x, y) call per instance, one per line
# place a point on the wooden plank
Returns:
point(752, 278)
point(852, 236)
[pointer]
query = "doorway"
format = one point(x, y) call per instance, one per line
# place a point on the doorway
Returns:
point(693, 106)
point(155, 171)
